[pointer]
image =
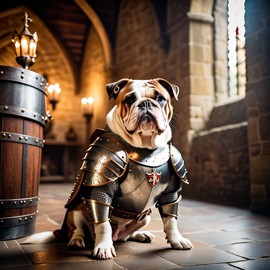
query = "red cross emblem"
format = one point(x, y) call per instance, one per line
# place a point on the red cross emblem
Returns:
point(153, 177)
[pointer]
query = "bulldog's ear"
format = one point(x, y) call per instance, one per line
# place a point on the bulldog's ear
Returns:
point(114, 88)
point(171, 88)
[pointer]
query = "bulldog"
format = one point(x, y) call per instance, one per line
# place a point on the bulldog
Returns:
point(129, 167)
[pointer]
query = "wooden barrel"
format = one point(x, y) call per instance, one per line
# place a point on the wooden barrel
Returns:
point(22, 119)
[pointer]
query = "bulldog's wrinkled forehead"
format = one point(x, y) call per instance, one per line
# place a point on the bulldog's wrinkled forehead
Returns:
point(146, 88)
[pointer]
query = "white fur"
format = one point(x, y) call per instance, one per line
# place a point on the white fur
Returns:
point(116, 125)
point(173, 236)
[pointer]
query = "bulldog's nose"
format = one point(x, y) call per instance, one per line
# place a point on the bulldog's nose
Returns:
point(146, 104)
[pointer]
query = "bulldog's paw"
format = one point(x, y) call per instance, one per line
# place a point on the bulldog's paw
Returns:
point(180, 243)
point(104, 252)
point(76, 242)
point(141, 236)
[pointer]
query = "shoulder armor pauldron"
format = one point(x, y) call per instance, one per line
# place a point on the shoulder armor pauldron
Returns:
point(178, 164)
point(105, 161)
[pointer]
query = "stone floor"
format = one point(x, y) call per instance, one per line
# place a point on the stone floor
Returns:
point(223, 237)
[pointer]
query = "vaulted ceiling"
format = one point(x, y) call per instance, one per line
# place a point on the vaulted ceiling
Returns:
point(68, 23)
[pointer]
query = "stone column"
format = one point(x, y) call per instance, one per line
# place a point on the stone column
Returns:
point(258, 101)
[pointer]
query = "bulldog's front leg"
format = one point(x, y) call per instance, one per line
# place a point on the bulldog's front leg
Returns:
point(173, 236)
point(103, 248)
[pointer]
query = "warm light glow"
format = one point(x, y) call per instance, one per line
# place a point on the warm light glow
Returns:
point(87, 105)
point(54, 91)
point(24, 45)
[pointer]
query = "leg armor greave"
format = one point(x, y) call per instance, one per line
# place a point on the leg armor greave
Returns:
point(170, 209)
point(98, 211)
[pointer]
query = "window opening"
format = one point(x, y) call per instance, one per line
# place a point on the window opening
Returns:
point(236, 48)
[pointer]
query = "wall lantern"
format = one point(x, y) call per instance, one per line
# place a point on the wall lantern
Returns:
point(25, 45)
point(87, 111)
point(87, 107)
point(54, 92)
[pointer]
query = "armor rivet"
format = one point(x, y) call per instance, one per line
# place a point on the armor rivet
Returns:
point(6, 108)
point(4, 135)
point(20, 137)
point(42, 117)
point(9, 135)
point(24, 201)
point(35, 114)
point(21, 202)
point(25, 218)
point(20, 219)
point(31, 217)
point(36, 140)
point(41, 84)
point(26, 138)
point(2, 221)
point(22, 77)
point(15, 202)
point(30, 200)
point(2, 72)
point(2, 202)
point(22, 110)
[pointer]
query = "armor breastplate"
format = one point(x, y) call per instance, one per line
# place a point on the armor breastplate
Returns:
point(143, 187)
point(142, 174)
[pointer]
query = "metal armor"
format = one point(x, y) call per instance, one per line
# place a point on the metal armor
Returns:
point(121, 180)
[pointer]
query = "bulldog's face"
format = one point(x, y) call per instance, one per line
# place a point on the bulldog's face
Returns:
point(143, 111)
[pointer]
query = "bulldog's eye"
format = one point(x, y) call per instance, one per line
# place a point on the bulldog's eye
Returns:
point(160, 98)
point(130, 100)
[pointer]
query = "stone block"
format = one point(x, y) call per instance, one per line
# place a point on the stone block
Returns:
point(254, 149)
point(201, 85)
point(195, 112)
point(260, 169)
point(251, 100)
point(196, 53)
point(264, 126)
point(197, 124)
point(196, 69)
point(266, 149)
point(220, 68)
point(253, 131)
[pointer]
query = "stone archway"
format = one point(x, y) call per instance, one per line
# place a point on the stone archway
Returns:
point(104, 39)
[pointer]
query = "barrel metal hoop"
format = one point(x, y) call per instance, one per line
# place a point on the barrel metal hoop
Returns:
point(18, 203)
point(22, 112)
point(17, 220)
point(21, 138)
point(23, 76)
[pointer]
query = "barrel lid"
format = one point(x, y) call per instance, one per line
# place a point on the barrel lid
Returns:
point(24, 76)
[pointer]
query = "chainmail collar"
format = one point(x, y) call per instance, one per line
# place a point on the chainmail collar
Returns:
point(144, 156)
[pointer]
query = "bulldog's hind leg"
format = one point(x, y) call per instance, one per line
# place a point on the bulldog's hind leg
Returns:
point(76, 222)
point(131, 231)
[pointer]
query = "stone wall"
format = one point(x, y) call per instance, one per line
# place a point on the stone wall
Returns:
point(219, 169)
point(218, 142)
point(258, 101)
